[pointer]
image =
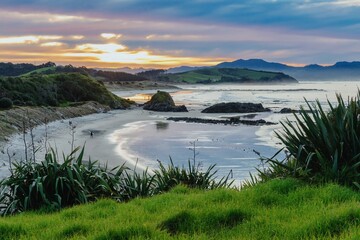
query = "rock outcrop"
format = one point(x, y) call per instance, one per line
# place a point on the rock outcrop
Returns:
point(163, 102)
point(287, 110)
point(231, 121)
point(235, 107)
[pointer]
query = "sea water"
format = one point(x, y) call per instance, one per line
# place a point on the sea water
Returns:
point(235, 149)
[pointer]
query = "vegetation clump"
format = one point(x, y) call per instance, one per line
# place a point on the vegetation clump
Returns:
point(5, 103)
point(58, 89)
point(323, 146)
point(53, 185)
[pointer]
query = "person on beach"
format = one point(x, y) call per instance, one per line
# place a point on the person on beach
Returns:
point(91, 134)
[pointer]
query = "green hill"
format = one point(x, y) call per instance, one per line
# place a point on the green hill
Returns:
point(27, 69)
point(57, 90)
point(227, 75)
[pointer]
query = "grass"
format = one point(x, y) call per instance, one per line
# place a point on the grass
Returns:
point(278, 209)
point(41, 70)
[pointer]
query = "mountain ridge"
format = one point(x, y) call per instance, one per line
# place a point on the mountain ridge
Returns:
point(342, 70)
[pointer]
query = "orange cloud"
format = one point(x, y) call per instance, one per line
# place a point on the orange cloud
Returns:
point(26, 39)
point(52, 44)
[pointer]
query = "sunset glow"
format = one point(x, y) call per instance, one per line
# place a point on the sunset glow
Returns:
point(117, 53)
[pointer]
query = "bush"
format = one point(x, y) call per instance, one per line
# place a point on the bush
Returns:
point(171, 176)
point(323, 146)
point(53, 185)
point(5, 103)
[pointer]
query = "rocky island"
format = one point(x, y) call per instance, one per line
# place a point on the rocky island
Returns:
point(163, 102)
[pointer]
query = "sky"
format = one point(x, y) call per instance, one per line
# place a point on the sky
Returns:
point(168, 33)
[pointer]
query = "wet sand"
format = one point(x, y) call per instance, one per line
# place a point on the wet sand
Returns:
point(59, 135)
point(102, 146)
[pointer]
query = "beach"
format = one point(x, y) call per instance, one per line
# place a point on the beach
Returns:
point(134, 138)
point(60, 134)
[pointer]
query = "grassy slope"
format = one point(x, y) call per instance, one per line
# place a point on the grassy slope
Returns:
point(40, 71)
point(215, 74)
point(279, 209)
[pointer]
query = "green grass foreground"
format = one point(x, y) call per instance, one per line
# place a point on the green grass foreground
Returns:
point(278, 209)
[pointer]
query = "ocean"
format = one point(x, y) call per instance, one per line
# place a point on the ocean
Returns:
point(234, 149)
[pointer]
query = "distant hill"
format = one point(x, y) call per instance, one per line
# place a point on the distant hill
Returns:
point(183, 69)
point(256, 64)
point(26, 69)
point(226, 75)
point(338, 71)
point(125, 70)
point(17, 69)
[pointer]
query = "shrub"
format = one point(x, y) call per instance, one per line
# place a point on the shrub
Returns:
point(5, 103)
point(170, 176)
point(323, 146)
point(137, 185)
point(53, 185)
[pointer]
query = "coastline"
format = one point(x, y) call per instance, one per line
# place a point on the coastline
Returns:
point(59, 137)
point(12, 120)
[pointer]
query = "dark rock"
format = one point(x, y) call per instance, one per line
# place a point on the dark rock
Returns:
point(286, 110)
point(235, 107)
point(289, 110)
point(231, 121)
point(163, 102)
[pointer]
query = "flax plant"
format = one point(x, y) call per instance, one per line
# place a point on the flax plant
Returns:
point(53, 184)
point(323, 146)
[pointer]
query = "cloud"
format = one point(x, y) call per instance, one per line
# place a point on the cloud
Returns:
point(26, 39)
point(100, 48)
point(109, 36)
point(77, 37)
point(52, 44)
point(175, 37)
point(347, 3)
